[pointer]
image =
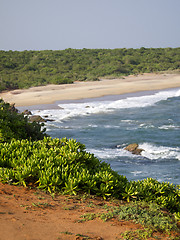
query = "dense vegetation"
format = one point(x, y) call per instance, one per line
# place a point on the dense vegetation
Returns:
point(17, 126)
point(34, 68)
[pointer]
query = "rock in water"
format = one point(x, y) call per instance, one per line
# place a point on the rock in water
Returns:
point(27, 112)
point(133, 148)
point(36, 118)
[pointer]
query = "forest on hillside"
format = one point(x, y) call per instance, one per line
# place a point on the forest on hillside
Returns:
point(35, 68)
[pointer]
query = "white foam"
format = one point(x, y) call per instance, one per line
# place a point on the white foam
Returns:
point(152, 151)
point(109, 153)
point(129, 121)
point(84, 109)
point(167, 127)
point(144, 125)
point(136, 173)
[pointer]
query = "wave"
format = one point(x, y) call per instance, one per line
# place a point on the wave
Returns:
point(72, 110)
point(167, 127)
point(153, 152)
point(110, 153)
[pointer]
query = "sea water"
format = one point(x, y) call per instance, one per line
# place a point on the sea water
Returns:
point(108, 124)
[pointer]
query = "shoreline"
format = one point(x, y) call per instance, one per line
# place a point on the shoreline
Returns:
point(56, 104)
point(50, 94)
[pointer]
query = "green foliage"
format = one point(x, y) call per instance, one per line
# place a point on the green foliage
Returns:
point(57, 165)
point(33, 68)
point(61, 165)
point(139, 234)
point(164, 194)
point(15, 125)
point(149, 215)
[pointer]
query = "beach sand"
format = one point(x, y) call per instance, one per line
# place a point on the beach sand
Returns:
point(81, 90)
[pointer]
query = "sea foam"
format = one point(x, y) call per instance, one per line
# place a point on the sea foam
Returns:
point(152, 151)
point(72, 110)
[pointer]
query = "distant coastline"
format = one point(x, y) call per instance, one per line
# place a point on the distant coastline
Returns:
point(81, 90)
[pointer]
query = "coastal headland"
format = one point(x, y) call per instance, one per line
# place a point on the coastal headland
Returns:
point(80, 90)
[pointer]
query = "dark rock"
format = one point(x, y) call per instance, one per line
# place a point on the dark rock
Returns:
point(49, 120)
point(138, 151)
point(133, 148)
point(36, 118)
point(27, 112)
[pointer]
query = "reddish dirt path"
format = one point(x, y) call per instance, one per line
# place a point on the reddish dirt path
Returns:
point(27, 214)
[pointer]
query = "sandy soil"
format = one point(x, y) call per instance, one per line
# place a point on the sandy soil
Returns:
point(79, 90)
point(29, 214)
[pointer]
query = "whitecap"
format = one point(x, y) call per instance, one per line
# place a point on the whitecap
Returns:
point(152, 151)
point(129, 121)
point(92, 125)
point(72, 110)
point(167, 127)
point(111, 153)
point(144, 125)
point(136, 173)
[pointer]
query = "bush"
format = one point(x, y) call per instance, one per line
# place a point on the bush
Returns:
point(58, 165)
point(15, 125)
point(150, 190)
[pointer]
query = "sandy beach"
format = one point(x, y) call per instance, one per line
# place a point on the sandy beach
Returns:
point(81, 90)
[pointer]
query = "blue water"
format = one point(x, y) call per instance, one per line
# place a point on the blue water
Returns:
point(151, 119)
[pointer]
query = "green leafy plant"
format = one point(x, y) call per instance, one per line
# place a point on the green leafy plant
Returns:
point(56, 165)
point(16, 125)
point(151, 216)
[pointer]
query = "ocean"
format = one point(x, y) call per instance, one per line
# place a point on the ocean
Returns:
point(106, 125)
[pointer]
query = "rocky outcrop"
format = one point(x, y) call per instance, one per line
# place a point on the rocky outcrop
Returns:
point(133, 148)
point(36, 118)
point(27, 112)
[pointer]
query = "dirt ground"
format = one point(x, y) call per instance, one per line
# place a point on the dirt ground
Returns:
point(29, 214)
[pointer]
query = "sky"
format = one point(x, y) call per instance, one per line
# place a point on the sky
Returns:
point(61, 24)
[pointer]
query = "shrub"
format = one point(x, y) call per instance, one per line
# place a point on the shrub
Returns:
point(58, 165)
point(15, 125)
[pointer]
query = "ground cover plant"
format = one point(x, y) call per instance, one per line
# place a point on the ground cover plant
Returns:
point(35, 68)
point(150, 215)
